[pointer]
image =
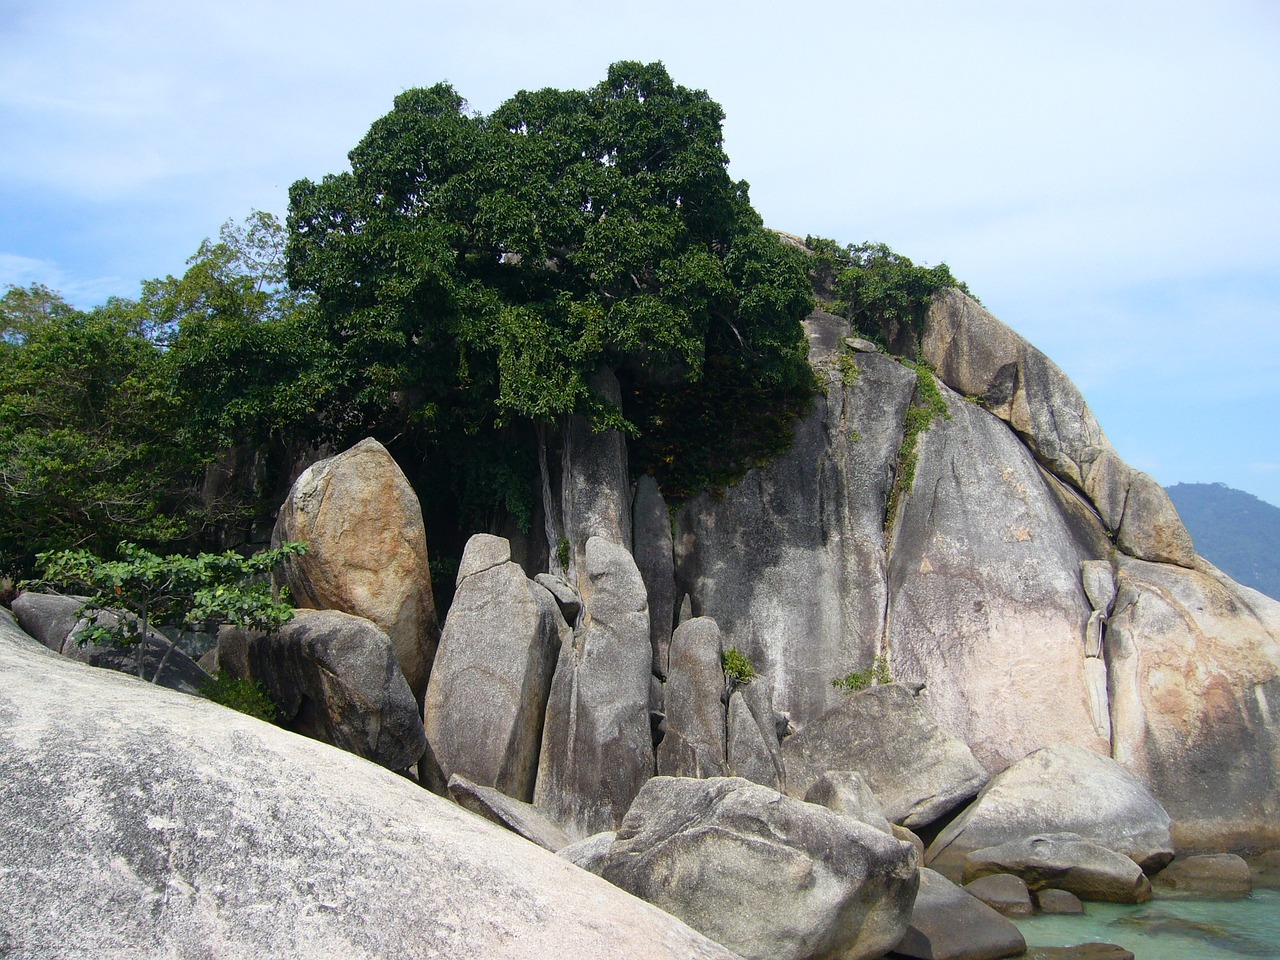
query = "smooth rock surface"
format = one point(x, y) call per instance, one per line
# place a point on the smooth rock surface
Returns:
point(1061, 789)
point(1221, 875)
point(589, 853)
point(917, 770)
point(846, 793)
point(694, 745)
point(333, 677)
point(168, 826)
point(1064, 861)
point(366, 551)
point(767, 876)
point(653, 553)
point(486, 701)
point(752, 726)
point(1053, 901)
point(522, 819)
point(949, 924)
point(1002, 892)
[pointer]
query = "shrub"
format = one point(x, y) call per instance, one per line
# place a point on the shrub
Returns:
point(738, 669)
point(874, 675)
point(242, 694)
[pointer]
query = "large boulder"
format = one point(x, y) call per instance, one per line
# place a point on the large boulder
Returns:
point(948, 923)
point(1061, 789)
point(768, 876)
point(366, 551)
point(333, 677)
point(916, 769)
point(847, 793)
point(1221, 875)
point(486, 701)
point(597, 748)
point(1064, 861)
point(1194, 666)
point(138, 822)
point(694, 744)
point(653, 552)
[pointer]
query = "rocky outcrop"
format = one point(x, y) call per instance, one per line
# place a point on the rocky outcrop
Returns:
point(1194, 667)
point(1064, 861)
point(597, 750)
point(168, 826)
point(917, 770)
point(1061, 789)
point(366, 551)
point(694, 742)
point(947, 923)
point(769, 877)
point(333, 677)
point(486, 701)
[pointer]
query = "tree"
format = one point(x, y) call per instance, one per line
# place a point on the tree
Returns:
point(143, 590)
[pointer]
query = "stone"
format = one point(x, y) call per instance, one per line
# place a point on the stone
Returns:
point(589, 853)
point(1194, 666)
point(916, 769)
point(1002, 892)
point(752, 737)
point(523, 819)
point(486, 700)
point(1099, 581)
point(1264, 869)
point(1064, 861)
point(334, 677)
point(366, 551)
point(847, 793)
point(948, 923)
point(567, 597)
point(653, 553)
point(597, 747)
point(1220, 875)
point(1061, 789)
point(1052, 901)
point(169, 826)
point(767, 876)
point(1081, 951)
point(54, 619)
point(694, 744)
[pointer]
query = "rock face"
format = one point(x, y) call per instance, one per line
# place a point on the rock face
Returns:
point(486, 702)
point(653, 553)
point(366, 551)
point(333, 677)
point(949, 924)
point(1062, 789)
point(1194, 666)
point(769, 877)
point(694, 745)
point(1064, 861)
point(917, 770)
point(597, 749)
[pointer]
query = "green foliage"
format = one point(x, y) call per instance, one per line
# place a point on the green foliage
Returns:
point(240, 693)
point(849, 369)
point(174, 591)
point(877, 673)
point(927, 405)
point(738, 669)
point(562, 553)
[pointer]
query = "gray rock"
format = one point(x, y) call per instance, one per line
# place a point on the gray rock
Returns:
point(523, 819)
point(334, 677)
point(168, 826)
point(767, 876)
point(1002, 892)
point(597, 749)
point(1064, 861)
point(752, 737)
point(486, 701)
point(1062, 789)
point(589, 854)
point(366, 551)
point(653, 553)
point(483, 552)
point(1054, 901)
point(49, 617)
point(567, 597)
point(1081, 951)
point(1099, 581)
point(949, 924)
point(1194, 667)
point(917, 770)
point(847, 793)
point(1220, 875)
point(1264, 869)
point(694, 745)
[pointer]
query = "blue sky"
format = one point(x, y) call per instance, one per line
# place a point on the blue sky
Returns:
point(1104, 175)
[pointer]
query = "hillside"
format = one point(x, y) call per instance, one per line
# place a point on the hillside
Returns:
point(1234, 530)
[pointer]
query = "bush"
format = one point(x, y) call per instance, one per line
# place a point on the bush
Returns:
point(242, 694)
point(876, 674)
point(738, 669)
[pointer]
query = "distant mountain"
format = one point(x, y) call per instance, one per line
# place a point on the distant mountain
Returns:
point(1233, 530)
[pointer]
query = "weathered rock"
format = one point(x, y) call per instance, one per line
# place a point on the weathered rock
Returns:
point(1002, 892)
point(567, 597)
point(653, 553)
point(1265, 869)
point(752, 738)
point(1064, 861)
point(765, 875)
point(1194, 665)
point(986, 604)
point(366, 551)
point(917, 770)
point(847, 793)
point(947, 923)
point(523, 819)
point(1081, 951)
point(168, 826)
point(597, 749)
point(590, 853)
point(334, 677)
point(1219, 875)
point(694, 745)
point(55, 621)
point(1061, 789)
point(977, 355)
point(1055, 901)
point(1099, 580)
point(486, 701)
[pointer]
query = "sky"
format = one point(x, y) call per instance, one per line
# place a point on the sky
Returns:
point(1105, 176)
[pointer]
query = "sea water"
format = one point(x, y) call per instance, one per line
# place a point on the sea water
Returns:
point(1171, 929)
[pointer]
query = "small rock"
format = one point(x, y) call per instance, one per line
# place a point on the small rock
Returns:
point(1066, 861)
point(1003, 892)
point(1214, 875)
point(1062, 902)
point(522, 818)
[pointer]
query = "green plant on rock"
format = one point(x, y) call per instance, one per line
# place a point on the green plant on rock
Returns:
point(738, 668)
point(875, 675)
point(849, 369)
point(243, 694)
point(927, 405)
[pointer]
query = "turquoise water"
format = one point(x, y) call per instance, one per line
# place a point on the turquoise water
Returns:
point(1171, 929)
